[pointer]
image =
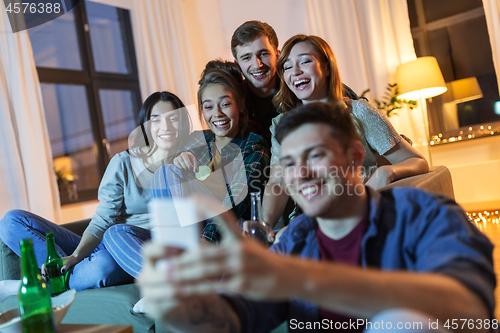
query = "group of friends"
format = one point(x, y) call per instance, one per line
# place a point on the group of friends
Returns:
point(280, 122)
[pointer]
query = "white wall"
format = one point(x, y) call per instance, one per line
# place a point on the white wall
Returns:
point(475, 170)
point(211, 23)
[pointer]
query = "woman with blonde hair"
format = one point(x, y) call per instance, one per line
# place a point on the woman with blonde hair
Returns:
point(308, 72)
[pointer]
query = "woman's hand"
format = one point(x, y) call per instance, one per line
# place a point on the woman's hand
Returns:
point(186, 161)
point(382, 176)
point(68, 262)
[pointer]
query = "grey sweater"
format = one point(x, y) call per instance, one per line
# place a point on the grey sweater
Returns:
point(124, 194)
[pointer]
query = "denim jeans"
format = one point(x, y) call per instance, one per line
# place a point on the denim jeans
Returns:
point(98, 270)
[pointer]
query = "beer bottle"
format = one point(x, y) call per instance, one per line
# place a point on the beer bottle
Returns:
point(53, 265)
point(258, 228)
point(33, 298)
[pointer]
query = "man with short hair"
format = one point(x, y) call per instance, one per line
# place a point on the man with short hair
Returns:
point(358, 259)
point(254, 45)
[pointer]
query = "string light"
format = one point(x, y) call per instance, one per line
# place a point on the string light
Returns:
point(482, 132)
point(484, 218)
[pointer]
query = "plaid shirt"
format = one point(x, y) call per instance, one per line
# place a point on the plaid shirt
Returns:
point(255, 158)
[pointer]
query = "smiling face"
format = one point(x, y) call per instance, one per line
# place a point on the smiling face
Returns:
point(305, 74)
point(257, 61)
point(220, 111)
point(318, 172)
point(165, 126)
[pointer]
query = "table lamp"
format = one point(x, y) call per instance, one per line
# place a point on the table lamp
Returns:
point(418, 80)
point(463, 90)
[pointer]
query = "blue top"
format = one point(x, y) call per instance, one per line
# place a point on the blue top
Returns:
point(409, 230)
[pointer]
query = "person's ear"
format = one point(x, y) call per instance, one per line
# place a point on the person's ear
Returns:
point(278, 52)
point(356, 154)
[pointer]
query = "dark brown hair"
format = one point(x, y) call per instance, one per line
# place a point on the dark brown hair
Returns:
point(251, 30)
point(227, 74)
point(145, 139)
point(335, 115)
point(285, 100)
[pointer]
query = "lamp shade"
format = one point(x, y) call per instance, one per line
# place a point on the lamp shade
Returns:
point(420, 78)
point(463, 90)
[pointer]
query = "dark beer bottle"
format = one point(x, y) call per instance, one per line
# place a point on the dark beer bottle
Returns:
point(53, 265)
point(258, 228)
point(34, 297)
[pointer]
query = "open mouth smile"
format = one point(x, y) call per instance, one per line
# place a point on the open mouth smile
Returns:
point(166, 137)
point(259, 75)
point(310, 191)
point(221, 124)
point(301, 84)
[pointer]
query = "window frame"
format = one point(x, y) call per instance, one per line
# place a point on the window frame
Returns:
point(436, 121)
point(93, 81)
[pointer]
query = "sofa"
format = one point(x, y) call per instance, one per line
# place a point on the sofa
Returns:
point(113, 305)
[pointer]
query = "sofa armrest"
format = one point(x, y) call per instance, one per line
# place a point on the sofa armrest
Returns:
point(437, 180)
point(78, 227)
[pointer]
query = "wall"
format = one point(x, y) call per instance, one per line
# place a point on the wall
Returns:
point(78, 211)
point(211, 23)
point(475, 169)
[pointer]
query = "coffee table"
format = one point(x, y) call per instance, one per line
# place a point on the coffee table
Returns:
point(80, 328)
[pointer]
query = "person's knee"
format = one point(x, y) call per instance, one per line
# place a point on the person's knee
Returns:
point(12, 216)
point(114, 233)
point(105, 272)
point(9, 221)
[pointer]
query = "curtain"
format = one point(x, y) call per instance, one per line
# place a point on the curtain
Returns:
point(164, 57)
point(492, 13)
point(27, 180)
point(370, 39)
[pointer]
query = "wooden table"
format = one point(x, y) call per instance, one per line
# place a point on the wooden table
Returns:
point(79, 328)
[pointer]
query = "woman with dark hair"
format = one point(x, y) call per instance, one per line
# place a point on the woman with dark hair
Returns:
point(225, 162)
point(108, 253)
point(308, 72)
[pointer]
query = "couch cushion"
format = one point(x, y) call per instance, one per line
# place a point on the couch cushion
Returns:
point(110, 305)
point(10, 268)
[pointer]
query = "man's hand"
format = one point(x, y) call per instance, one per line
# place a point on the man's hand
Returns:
point(158, 294)
point(186, 161)
point(248, 268)
point(245, 229)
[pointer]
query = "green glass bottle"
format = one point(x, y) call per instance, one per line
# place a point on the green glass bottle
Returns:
point(53, 265)
point(34, 297)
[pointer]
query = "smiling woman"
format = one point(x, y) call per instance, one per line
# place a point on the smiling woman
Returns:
point(109, 252)
point(308, 72)
point(226, 162)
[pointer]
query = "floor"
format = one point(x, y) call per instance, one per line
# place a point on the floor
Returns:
point(492, 230)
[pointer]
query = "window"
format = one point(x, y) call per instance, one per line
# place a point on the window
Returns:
point(90, 88)
point(455, 32)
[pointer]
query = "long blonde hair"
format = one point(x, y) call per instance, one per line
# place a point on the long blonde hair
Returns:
point(285, 100)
